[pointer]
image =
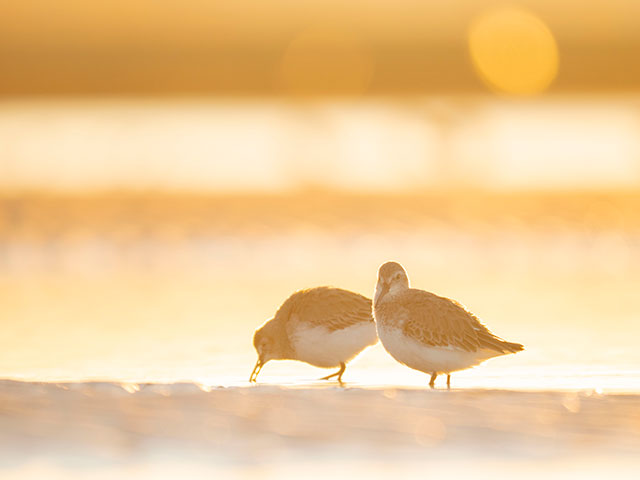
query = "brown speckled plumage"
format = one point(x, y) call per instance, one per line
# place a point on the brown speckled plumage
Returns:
point(440, 322)
point(333, 308)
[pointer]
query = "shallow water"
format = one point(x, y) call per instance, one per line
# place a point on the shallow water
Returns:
point(138, 297)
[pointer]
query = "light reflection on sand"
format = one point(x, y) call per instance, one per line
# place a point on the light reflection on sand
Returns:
point(94, 428)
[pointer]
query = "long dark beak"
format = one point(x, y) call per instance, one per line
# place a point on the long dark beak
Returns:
point(256, 371)
point(385, 289)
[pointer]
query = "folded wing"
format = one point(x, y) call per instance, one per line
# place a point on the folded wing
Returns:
point(332, 308)
point(441, 322)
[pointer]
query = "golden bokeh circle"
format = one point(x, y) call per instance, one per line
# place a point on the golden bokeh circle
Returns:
point(513, 51)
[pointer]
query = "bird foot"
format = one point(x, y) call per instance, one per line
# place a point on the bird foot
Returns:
point(337, 374)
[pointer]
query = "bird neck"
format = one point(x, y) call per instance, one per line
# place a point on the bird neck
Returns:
point(385, 292)
point(398, 287)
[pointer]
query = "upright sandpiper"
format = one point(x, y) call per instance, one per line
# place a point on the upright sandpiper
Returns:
point(323, 326)
point(430, 333)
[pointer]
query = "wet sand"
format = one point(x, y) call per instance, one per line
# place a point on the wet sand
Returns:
point(77, 430)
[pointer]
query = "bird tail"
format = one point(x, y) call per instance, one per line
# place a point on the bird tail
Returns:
point(489, 341)
point(513, 347)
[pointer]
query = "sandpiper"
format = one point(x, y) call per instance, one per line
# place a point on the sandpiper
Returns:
point(430, 333)
point(323, 326)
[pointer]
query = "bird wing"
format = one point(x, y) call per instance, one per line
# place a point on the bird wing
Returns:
point(442, 322)
point(332, 308)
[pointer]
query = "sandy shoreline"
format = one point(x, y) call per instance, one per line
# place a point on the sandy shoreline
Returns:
point(100, 424)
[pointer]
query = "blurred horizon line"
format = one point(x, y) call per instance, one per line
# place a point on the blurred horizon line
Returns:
point(385, 145)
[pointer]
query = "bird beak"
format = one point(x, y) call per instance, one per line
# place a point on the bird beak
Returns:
point(256, 371)
point(383, 292)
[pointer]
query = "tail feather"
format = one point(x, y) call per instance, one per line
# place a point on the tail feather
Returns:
point(513, 347)
point(490, 341)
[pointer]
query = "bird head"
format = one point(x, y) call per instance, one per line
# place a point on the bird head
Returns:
point(266, 347)
point(391, 278)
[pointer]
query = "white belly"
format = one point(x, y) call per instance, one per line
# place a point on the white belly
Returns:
point(426, 358)
point(324, 348)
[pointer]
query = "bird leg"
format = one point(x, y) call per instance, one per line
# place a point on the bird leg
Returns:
point(448, 381)
point(342, 369)
point(337, 374)
point(433, 380)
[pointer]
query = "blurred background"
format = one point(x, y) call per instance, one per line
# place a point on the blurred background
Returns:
point(171, 171)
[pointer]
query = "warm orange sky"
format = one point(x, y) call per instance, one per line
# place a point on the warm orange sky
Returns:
point(248, 46)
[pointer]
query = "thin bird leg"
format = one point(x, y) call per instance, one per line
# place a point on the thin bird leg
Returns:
point(448, 381)
point(337, 374)
point(342, 369)
point(433, 379)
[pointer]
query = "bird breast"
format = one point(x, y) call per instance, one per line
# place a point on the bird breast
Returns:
point(326, 348)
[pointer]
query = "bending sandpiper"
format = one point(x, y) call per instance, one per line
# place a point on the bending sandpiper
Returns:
point(323, 326)
point(429, 333)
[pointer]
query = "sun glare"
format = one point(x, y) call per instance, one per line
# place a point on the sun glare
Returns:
point(513, 51)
